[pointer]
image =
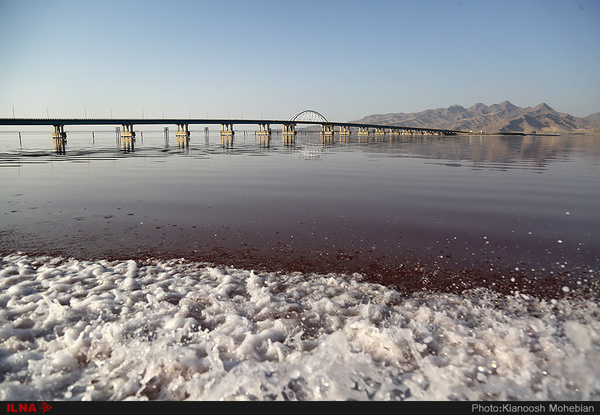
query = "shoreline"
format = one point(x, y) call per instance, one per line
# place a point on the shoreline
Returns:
point(407, 276)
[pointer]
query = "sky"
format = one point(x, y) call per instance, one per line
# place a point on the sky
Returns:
point(272, 59)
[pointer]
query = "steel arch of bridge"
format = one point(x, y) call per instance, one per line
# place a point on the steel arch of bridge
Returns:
point(309, 116)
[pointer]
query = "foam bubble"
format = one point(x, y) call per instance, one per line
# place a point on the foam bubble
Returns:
point(173, 330)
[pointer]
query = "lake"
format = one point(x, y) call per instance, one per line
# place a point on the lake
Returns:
point(384, 227)
point(420, 209)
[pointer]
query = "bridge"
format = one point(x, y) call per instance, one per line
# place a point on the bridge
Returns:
point(227, 133)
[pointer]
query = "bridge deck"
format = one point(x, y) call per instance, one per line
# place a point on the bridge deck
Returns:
point(194, 121)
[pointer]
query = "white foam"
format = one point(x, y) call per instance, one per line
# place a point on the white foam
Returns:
point(173, 330)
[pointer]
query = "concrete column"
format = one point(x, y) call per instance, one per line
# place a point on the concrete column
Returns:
point(227, 135)
point(363, 133)
point(326, 132)
point(127, 137)
point(264, 134)
point(60, 139)
point(289, 133)
point(182, 135)
point(344, 132)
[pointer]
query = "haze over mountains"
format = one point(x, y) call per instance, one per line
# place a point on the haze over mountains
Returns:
point(502, 117)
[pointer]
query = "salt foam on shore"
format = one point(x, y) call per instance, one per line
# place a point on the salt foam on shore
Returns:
point(174, 330)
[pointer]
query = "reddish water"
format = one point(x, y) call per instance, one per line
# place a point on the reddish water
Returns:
point(444, 213)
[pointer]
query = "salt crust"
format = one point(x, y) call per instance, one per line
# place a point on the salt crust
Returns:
point(174, 330)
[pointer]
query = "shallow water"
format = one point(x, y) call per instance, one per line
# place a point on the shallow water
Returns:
point(415, 268)
point(496, 208)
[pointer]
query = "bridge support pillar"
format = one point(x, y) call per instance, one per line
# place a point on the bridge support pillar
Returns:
point(379, 133)
point(363, 133)
point(128, 137)
point(344, 132)
point(60, 139)
point(227, 135)
point(327, 133)
point(264, 134)
point(289, 133)
point(394, 133)
point(182, 135)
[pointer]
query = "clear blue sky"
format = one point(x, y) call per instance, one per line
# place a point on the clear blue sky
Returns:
point(264, 59)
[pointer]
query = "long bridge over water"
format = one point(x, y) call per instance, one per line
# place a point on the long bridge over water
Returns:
point(227, 133)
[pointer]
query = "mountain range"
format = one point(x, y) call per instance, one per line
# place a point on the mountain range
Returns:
point(497, 118)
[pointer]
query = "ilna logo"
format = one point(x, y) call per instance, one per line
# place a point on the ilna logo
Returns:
point(27, 407)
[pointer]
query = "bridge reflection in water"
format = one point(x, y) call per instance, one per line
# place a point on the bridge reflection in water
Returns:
point(126, 134)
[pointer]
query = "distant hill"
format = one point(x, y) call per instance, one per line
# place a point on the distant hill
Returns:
point(502, 117)
point(594, 120)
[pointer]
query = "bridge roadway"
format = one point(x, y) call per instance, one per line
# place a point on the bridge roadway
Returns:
point(198, 121)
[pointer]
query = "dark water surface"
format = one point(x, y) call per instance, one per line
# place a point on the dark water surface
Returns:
point(441, 213)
